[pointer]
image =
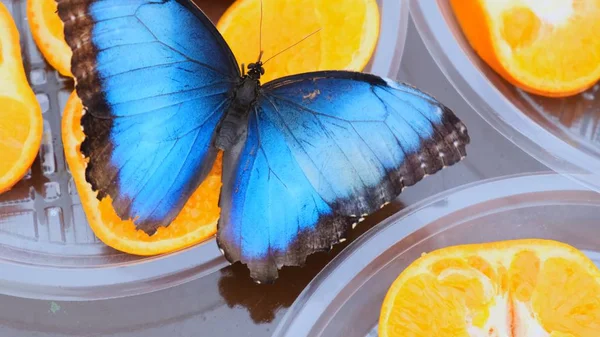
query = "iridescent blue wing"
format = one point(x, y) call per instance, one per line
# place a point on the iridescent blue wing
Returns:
point(322, 151)
point(155, 78)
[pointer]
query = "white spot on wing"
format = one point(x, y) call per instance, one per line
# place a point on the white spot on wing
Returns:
point(391, 83)
point(311, 96)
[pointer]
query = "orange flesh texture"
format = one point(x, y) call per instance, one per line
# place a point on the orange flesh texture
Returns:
point(20, 113)
point(523, 288)
point(195, 223)
point(242, 32)
point(552, 51)
point(48, 33)
point(349, 37)
point(345, 40)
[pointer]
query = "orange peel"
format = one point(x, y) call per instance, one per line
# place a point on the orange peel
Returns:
point(21, 124)
point(48, 33)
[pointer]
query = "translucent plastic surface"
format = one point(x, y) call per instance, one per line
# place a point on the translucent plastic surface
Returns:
point(346, 297)
point(562, 133)
point(47, 249)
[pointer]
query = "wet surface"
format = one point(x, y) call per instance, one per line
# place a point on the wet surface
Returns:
point(264, 301)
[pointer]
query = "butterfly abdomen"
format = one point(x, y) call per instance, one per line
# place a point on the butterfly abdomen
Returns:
point(234, 123)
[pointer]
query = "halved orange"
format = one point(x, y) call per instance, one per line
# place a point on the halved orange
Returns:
point(195, 223)
point(550, 48)
point(521, 288)
point(21, 124)
point(348, 34)
point(48, 33)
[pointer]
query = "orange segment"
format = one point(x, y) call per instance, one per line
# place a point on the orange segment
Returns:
point(521, 288)
point(48, 34)
point(549, 48)
point(20, 113)
point(523, 274)
point(195, 223)
point(348, 34)
point(575, 309)
point(521, 27)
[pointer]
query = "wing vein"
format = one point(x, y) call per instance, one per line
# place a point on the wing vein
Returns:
point(178, 52)
point(163, 95)
point(434, 126)
point(148, 177)
point(300, 144)
point(144, 68)
point(389, 106)
point(183, 162)
point(370, 148)
point(334, 141)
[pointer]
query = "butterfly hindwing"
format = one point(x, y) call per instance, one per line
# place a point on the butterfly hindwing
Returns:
point(322, 151)
point(155, 78)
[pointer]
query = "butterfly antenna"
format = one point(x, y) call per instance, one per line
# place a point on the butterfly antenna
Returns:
point(261, 28)
point(292, 46)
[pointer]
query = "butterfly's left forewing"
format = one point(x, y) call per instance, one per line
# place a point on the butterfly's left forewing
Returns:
point(155, 78)
point(322, 151)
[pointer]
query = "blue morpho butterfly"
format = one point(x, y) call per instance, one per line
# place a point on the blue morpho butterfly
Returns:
point(306, 157)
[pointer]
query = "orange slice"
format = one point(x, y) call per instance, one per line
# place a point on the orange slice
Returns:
point(48, 33)
point(195, 223)
point(20, 113)
point(522, 288)
point(346, 41)
point(550, 48)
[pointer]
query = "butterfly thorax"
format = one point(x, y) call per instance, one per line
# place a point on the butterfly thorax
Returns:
point(244, 98)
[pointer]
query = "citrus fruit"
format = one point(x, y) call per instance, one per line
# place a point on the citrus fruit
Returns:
point(48, 33)
point(20, 113)
point(522, 288)
point(196, 222)
point(348, 34)
point(549, 48)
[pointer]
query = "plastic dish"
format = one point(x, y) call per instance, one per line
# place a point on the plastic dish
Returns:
point(47, 250)
point(346, 297)
point(563, 134)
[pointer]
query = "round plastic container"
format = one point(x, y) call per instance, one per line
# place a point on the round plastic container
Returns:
point(346, 297)
point(48, 251)
point(562, 133)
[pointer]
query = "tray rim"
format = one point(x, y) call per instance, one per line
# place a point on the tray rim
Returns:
point(309, 307)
